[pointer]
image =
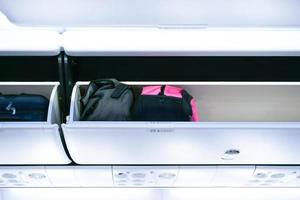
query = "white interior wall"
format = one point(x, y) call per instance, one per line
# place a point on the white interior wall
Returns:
point(81, 194)
point(70, 13)
point(151, 194)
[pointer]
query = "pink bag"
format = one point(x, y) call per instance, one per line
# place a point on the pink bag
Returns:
point(165, 103)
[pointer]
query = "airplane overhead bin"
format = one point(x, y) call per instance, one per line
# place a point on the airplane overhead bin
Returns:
point(241, 65)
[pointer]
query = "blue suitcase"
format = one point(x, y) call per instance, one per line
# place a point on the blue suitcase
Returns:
point(23, 107)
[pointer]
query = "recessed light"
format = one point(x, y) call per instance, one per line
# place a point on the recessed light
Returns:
point(121, 175)
point(167, 175)
point(261, 175)
point(37, 176)
point(278, 175)
point(8, 175)
point(138, 175)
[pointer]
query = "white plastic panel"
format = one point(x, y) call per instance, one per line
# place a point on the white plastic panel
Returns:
point(150, 194)
point(146, 176)
point(234, 128)
point(94, 176)
point(55, 176)
point(24, 177)
point(185, 42)
point(62, 176)
point(196, 176)
point(183, 143)
point(85, 13)
point(232, 194)
point(149, 176)
point(275, 176)
point(29, 42)
point(80, 194)
point(231, 176)
point(32, 142)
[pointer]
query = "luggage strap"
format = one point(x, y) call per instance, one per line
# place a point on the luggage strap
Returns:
point(187, 106)
point(120, 89)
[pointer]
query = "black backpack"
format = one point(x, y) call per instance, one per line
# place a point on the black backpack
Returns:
point(106, 100)
point(164, 103)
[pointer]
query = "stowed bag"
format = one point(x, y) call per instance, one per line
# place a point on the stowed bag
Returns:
point(106, 100)
point(23, 107)
point(164, 103)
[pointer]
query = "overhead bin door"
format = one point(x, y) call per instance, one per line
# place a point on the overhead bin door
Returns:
point(181, 42)
point(29, 54)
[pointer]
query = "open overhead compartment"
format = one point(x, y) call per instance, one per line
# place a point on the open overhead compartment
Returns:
point(248, 134)
point(240, 123)
point(33, 143)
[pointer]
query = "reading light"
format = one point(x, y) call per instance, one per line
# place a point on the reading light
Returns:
point(261, 175)
point(8, 175)
point(138, 175)
point(278, 175)
point(37, 176)
point(167, 175)
point(121, 175)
